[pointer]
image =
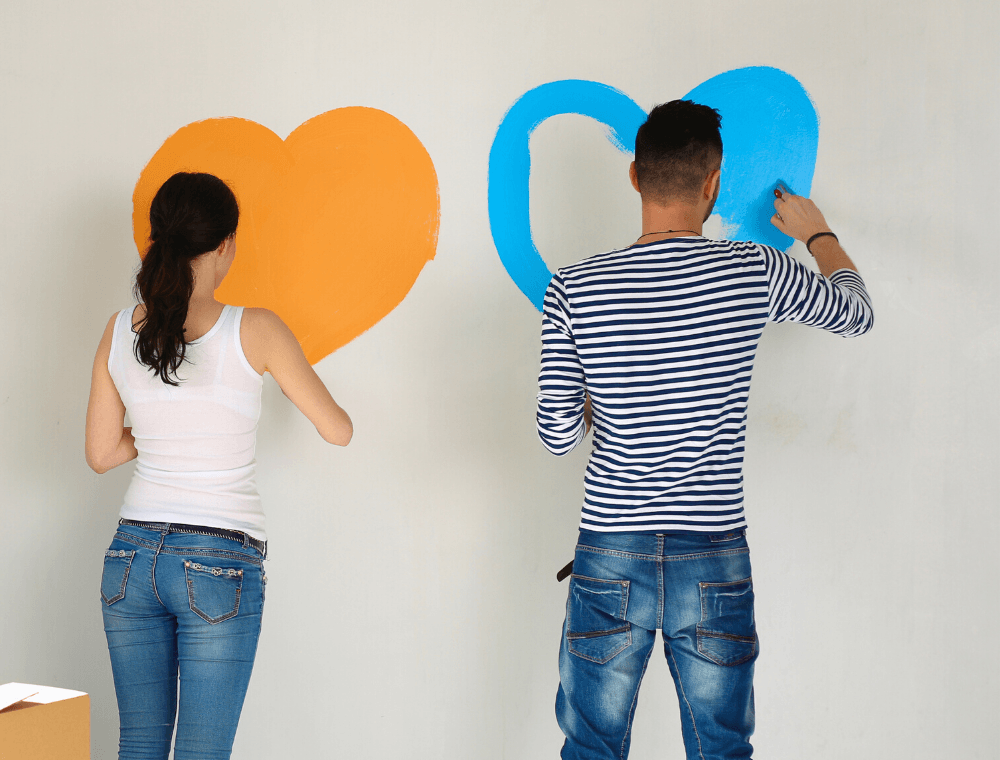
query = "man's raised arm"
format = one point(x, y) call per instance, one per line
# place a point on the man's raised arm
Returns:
point(836, 300)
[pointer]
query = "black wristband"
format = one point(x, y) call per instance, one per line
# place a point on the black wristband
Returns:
point(817, 235)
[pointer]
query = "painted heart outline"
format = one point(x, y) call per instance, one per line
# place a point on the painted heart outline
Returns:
point(336, 221)
point(770, 133)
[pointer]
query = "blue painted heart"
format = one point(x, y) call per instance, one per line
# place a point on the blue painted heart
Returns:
point(770, 133)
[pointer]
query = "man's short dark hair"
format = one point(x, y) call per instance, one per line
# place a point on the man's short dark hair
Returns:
point(676, 149)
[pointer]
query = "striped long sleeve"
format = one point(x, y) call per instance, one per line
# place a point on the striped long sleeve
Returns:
point(561, 384)
point(839, 304)
point(663, 337)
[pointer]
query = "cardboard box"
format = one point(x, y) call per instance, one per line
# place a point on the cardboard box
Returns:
point(43, 723)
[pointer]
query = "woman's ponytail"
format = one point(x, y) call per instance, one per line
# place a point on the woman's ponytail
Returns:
point(191, 214)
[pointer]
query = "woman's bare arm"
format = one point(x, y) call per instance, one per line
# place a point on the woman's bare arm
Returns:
point(270, 346)
point(108, 442)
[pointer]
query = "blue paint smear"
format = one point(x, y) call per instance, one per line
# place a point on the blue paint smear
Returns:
point(510, 165)
point(769, 132)
point(769, 136)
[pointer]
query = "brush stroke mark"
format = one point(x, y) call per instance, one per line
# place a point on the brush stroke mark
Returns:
point(769, 129)
point(336, 221)
point(510, 165)
point(770, 133)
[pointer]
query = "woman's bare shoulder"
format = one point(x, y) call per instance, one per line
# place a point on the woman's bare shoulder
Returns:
point(261, 332)
point(260, 320)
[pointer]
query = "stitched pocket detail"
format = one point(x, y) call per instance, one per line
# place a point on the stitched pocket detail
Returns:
point(596, 628)
point(213, 592)
point(117, 563)
point(727, 634)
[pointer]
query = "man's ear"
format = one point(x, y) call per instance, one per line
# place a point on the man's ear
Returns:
point(633, 176)
point(712, 181)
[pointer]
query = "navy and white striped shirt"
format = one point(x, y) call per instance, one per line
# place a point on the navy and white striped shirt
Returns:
point(663, 337)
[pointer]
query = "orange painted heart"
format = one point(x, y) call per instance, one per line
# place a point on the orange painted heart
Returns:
point(336, 221)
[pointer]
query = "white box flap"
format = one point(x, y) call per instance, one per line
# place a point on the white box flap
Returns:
point(12, 693)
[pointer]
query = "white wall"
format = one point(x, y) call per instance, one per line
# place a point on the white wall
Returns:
point(412, 608)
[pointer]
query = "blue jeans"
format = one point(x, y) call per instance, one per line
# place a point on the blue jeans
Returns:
point(179, 604)
point(695, 588)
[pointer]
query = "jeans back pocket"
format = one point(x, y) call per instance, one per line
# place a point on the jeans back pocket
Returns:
point(117, 563)
point(596, 628)
point(727, 634)
point(213, 592)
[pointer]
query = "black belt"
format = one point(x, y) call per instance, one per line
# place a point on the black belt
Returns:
point(203, 530)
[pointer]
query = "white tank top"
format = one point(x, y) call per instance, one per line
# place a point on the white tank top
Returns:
point(196, 441)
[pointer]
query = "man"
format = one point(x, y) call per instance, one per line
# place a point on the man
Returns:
point(655, 344)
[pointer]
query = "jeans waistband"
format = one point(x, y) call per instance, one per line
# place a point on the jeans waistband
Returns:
point(661, 544)
point(202, 530)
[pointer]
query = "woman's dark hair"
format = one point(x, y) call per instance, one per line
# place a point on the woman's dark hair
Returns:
point(676, 148)
point(191, 214)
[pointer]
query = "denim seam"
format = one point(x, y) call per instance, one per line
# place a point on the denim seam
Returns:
point(701, 632)
point(734, 663)
point(667, 558)
point(596, 634)
point(701, 596)
point(706, 555)
point(616, 553)
point(719, 584)
point(610, 657)
point(135, 540)
point(244, 542)
point(622, 609)
point(218, 553)
point(623, 605)
point(222, 618)
point(152, 572)
point(121, 591)
point(635, 699)
point(680, 688)
point(735, 535)
point(727, 636)
point(659, 584)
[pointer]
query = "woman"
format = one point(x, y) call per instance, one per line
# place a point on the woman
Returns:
point(183, 585)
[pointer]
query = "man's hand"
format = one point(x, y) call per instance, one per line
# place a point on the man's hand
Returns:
point(799, 218)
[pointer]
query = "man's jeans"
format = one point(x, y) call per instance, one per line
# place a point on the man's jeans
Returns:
point(188, 605)
point(696, 588)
